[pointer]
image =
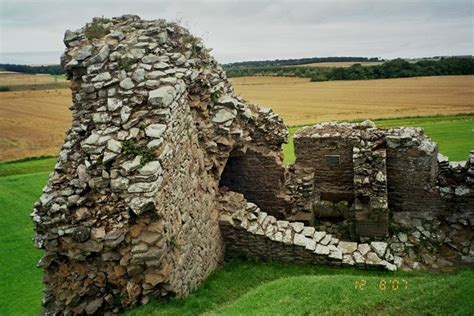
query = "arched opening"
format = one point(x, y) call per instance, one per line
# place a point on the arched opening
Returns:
point(260, 178)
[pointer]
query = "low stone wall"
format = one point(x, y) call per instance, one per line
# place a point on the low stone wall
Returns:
point(419, 241)
point(249, 231)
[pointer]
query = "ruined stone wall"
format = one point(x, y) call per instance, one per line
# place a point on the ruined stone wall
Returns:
point(456, 181)
point(412, 170)
point(331, 160)
point(129, 212)
point(250, 232)
point(139, 204)
point(260, 178)
point(396, 170)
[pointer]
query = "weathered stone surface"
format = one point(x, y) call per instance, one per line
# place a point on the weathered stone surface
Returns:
point(162, 97)
point(321, 250)
point(373, 259)
point(318, 236)
point(151, 168)
point(84, 52)
point(363, 248)
point(129, 166)
point(379, 247)
point(223, 116)
point(127, 84)
point(347, 247)
point(119, 184)
point(114, 104)
point(155, 130)
point(104, 76)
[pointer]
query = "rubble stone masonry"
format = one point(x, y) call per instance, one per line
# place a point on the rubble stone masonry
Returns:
point(165, 169)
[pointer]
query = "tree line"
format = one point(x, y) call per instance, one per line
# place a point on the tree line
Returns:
point(49, 69)
point(397, 68)
point(299, 61)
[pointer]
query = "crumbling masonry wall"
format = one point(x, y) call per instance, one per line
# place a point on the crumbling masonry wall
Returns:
point(164, 170)
point(129, 211)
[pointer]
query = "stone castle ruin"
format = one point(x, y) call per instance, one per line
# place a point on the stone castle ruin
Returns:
point(164, 170)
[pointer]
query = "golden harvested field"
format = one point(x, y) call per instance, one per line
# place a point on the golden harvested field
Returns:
point(33, 123)
point(16, 79)
point(300, 101)
point(342, 64)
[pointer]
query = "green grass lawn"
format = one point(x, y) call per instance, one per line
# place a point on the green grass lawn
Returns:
point(453, 133)
point(239, 287)
point(29, 165)
point(20, 280)
point(258, 288)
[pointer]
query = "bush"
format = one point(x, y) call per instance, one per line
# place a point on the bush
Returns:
point(4, 88)
point(95, 29)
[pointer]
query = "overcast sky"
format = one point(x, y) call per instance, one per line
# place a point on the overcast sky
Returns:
point(258, 29)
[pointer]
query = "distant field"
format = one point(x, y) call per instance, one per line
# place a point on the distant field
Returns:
point(300, 101)
point(19, 82)
point(342, 64)
point(33, 123)
point(454, 134)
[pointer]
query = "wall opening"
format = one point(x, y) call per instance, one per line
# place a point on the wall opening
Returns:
point(260, 178)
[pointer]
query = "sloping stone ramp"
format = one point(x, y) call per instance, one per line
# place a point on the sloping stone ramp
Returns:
point(251, 232)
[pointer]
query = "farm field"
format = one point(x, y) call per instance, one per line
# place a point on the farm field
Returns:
point(20, 81)
point(299, 101)
point(239, 287)
point(33, 123)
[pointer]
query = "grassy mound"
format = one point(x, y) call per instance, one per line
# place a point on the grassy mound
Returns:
point(257, 288)
point(338, 295)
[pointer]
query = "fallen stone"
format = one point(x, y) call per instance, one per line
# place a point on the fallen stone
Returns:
point(347, 247)
point(379, 247)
